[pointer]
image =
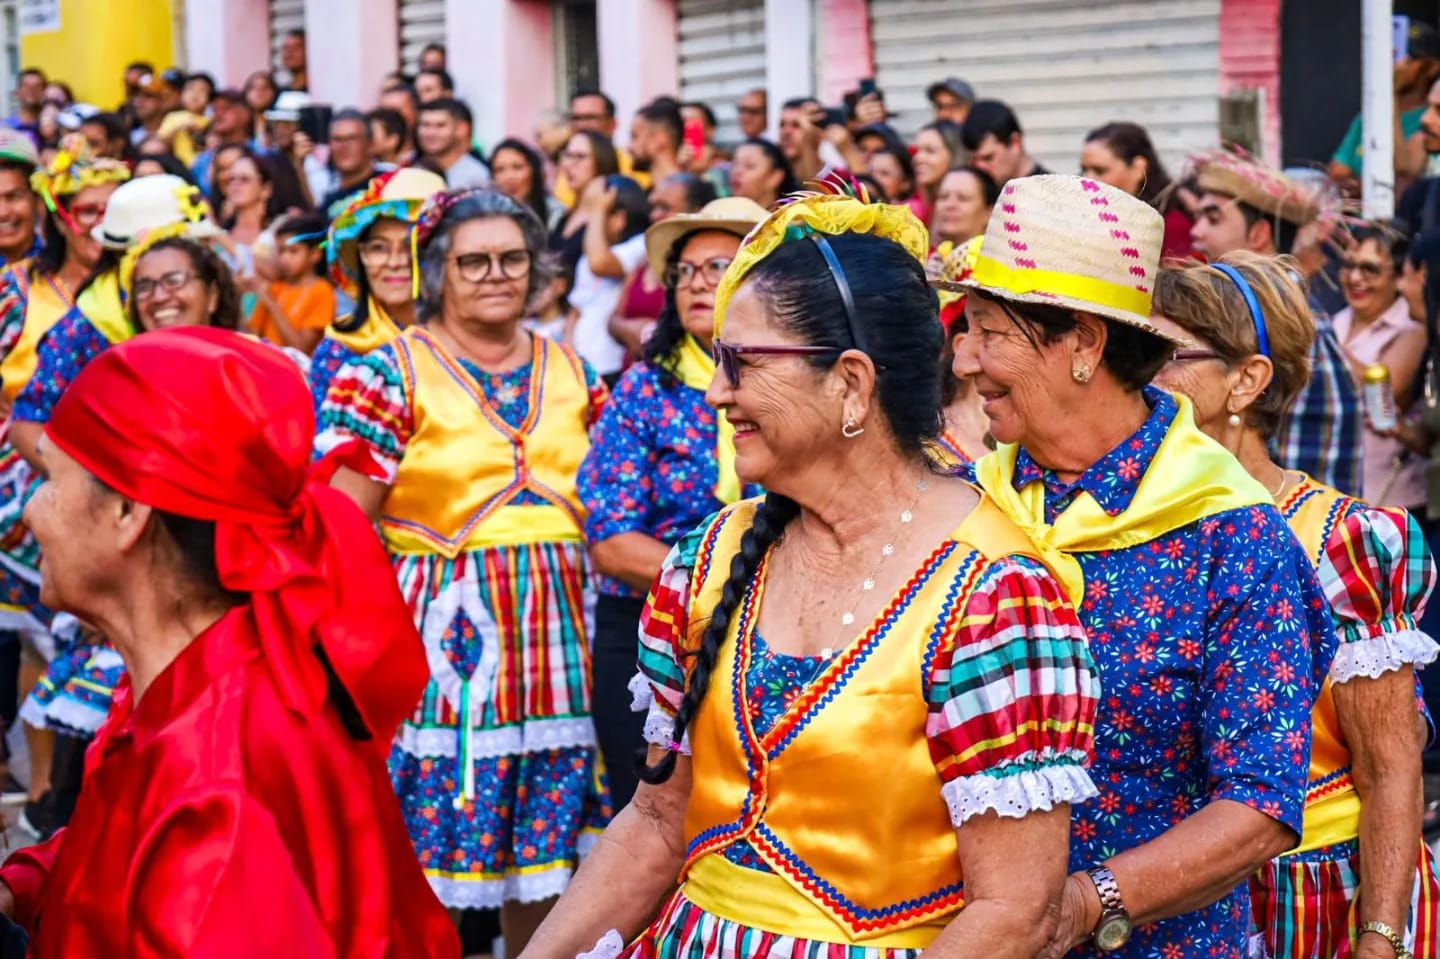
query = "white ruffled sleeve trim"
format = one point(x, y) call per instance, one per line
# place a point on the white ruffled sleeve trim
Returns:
point(642, 694)
point(1018, 794)
point(1373, 657)
point(660, 729)
point(609, 946)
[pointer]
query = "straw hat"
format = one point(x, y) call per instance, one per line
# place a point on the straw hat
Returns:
point(733, 214)
point(1232, 173)
point(399, 195)
point(1071, 242)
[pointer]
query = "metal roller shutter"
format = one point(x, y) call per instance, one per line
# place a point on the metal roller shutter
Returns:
point(285, 15)
point(421, 22)
point(1064, 66)
point(722, 55)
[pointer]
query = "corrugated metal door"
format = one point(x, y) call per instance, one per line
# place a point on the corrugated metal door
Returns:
point(1064, 66)
point(285, 15)
point(421, 22)
point(722, 55)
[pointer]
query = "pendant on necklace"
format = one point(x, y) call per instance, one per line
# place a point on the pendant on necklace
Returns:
point(847, 619)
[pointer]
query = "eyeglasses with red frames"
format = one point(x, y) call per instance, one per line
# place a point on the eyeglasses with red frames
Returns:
point(727, 356)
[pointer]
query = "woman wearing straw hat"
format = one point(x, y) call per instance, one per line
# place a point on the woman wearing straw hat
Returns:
point(659, 460)
point(866, 699)
point(1203, 613)
point(1251, 333)
point(370, 250)
point(461, 438)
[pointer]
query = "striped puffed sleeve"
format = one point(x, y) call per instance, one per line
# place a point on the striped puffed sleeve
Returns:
point(659, 685)
point(1377, 574)
point(1012, 694)
point(366, 421)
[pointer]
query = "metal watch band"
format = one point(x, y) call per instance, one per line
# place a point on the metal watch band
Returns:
point(1108, 889)
point(1397, 942)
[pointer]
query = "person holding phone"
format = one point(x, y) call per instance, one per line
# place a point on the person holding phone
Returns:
point(656, 134)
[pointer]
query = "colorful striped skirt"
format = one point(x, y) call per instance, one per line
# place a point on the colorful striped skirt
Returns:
point(74, 695)
point(1305, 906)
point(685, 930)
point(497, 771)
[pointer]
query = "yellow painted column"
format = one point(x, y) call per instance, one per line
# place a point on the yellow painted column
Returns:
point(94, 42)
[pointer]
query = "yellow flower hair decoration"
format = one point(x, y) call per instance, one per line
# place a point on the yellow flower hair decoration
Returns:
point(833, 206)
point(74, 168)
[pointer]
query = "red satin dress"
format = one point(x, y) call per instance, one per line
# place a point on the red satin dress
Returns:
point(215, 821)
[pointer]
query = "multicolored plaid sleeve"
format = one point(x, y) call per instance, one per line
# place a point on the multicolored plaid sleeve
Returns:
point(1377, 573)
point(12, 311)
point(1013, 694)
point(366, 408)
point(660, 684)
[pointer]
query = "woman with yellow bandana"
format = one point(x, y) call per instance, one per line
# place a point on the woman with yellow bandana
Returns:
point(1210, 631)
point(659, 460)
point(868, 699)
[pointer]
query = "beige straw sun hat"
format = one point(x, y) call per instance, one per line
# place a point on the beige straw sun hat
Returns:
point(731, 214)
point(1072, 242)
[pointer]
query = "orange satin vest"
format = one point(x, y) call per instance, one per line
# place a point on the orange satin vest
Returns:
point(841, 798)
point(464, 465)
point(1332, 806)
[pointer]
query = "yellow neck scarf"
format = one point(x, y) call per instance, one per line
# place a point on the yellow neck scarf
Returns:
point(102, 306)
point(1191, 477)
point(695, 368)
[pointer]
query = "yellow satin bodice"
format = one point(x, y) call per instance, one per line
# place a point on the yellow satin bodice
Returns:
point(45, 304)
point(853, 860)
point(1332, 806)
point(464, 465)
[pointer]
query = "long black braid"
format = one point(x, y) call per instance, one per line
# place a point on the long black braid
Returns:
point(769, 522)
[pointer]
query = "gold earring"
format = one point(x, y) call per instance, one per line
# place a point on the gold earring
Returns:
point(1081, 373)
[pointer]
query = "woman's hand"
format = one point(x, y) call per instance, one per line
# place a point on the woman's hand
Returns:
point(598, 197)
point(1077, 917)
point(870, 109)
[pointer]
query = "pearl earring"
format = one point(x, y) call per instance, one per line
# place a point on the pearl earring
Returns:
point(1081, 373)
point(1235, 420)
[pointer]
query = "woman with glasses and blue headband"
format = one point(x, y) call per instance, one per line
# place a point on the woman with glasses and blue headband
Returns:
point(660, 462)
point(1352, 887)
point(867, 699)
point(1208, 628)
point(462, 438)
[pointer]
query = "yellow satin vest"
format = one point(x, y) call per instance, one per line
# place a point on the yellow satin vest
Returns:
point(464, 465)
point(841, 798)
point(1332, 806)
point(45, 304)
point(377, 330)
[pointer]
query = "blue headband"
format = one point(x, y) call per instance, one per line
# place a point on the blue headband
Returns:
point(1257, 316)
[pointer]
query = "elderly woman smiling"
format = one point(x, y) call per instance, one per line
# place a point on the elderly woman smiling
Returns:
point(1203, 613)
point(1252, 335)
point(831, 638)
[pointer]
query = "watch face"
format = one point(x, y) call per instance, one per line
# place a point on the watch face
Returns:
point(1112, 934)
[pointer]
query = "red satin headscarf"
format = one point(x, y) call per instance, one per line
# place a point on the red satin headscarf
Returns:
point(212, 425)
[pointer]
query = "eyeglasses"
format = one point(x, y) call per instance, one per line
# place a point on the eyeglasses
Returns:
point(683, 274)
point(727, 356)
point(87, 214)
point(574, 155)
point(1190, 356)
point(378, 253)
point(588, 118)
point(475, 267)
point(1371, 271)
point(169, 282)
point(232, 178)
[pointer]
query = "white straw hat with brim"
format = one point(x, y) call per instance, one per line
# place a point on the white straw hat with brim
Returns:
point(732, 214)
point(1072, 242)
point(149, 203)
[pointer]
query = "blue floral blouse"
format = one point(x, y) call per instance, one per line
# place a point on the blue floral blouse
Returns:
point(63, 352)
point(651, 466)
point(1212, 642)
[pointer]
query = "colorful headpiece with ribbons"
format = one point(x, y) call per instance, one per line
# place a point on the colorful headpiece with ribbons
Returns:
point(400, 195)
point(72, 169)
point(833, 206)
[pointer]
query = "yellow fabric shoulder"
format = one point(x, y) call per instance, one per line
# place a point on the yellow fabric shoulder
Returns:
point(377, 330)
point(1191, 477)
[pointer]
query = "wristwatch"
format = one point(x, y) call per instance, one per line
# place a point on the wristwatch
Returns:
point(1396, 941)
point(1113, 929)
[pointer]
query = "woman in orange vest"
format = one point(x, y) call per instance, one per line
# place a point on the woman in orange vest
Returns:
point(1361, 874)
point(462, 438)
point(870, 705)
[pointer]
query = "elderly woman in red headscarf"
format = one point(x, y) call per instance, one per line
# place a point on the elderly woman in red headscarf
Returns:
point(237, 803)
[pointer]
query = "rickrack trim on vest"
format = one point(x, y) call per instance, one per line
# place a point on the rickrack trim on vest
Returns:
point(857, 917)
point(962, 585)
point(1335, 782)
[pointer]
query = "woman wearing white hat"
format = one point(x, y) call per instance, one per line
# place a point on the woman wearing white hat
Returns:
point(660, 459)
point(371, 259)
point(1204, 616)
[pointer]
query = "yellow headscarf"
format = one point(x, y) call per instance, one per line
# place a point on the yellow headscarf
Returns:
point(834, 207)
point(1191, 477)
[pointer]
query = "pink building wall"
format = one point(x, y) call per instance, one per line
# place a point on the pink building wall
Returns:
point(843, 52)
point(639, 56)
point(1250, 59)
point(350, 45)
point(230, 40)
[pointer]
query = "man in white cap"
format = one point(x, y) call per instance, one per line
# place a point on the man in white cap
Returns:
point(293, 143)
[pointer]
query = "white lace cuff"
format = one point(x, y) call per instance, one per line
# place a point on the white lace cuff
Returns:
point(609, 947)
point(660, 729)
point(1015, 795)
point(642, 694)
point(1373, 657)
